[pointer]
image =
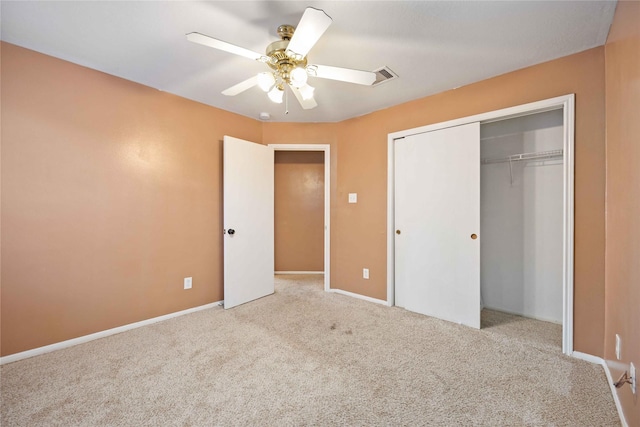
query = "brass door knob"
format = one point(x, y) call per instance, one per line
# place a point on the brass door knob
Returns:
point(397, 231)
point(474, 236)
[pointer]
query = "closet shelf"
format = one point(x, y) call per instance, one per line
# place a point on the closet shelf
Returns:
point(525, 156)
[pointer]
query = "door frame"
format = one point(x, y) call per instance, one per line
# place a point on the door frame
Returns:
point(567, 104)
point(327, 198)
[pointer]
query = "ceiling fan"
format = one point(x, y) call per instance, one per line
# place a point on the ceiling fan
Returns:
point(287, 60)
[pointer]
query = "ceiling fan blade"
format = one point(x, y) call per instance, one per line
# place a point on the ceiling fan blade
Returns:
point(219, 44)
point(343, 74)
point(241, 87)
point(312, 25)
point(306, 104)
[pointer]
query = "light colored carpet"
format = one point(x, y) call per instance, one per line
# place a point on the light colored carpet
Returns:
point(306, 357)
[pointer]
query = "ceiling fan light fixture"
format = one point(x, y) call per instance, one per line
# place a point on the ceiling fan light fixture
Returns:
point(312, 70)
point(266, 81)
point(307, 92)
point(298, 77)
point(295, 56)
point(276, 94)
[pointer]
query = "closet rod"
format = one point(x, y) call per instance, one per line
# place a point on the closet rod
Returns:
point(525, 156)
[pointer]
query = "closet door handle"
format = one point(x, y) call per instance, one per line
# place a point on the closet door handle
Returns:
point(474, 236)
point(398, 232)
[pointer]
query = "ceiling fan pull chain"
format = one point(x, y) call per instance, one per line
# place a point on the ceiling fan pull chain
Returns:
point(286, 102)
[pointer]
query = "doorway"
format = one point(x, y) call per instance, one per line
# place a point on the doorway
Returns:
point(565, 105)
point(324, 150)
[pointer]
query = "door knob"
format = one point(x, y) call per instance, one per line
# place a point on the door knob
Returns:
point(231, 231)
point(474, 236)
point(398, 231)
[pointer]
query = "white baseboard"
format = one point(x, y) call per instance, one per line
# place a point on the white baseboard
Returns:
point(351, 294)
point(616, 399)
point(588, 358)
point(102, 334)
point(600, 361)
point(299, 272)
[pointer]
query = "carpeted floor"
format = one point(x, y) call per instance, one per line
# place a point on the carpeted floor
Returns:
point(306, 357)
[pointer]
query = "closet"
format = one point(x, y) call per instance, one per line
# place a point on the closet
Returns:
point(481, 215)
point(521, 215)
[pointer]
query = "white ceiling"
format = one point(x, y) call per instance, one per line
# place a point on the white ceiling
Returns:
point(433, 46)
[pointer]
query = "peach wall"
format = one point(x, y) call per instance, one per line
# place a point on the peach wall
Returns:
point(111, 195)
point(622, 291)
point(362, 168)
point(362, 227)
point(299, 210)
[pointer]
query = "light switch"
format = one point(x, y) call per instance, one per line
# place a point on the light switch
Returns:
point(353, 197)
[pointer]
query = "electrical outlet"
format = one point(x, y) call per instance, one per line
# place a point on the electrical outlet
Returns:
point(187, 282)
point(365, 273)
point(618, 347)
point(634, 378)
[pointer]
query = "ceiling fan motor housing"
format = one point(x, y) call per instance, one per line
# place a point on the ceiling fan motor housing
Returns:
point(286, 31)
point(280, 62)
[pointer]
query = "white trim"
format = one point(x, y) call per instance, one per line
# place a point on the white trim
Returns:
point(102, 334)
point(568, 224)
point(491, 116)
point(616, 399)
point(299, 272)
point(327, 199)
point(358, 296)
point(588, 358)
point(567, 104)
point(391, 220)
point(607, 372)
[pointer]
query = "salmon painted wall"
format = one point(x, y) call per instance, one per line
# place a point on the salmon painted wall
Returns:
point(111, 195)
point(622, 292)
point(299, 210)
point(362, 168)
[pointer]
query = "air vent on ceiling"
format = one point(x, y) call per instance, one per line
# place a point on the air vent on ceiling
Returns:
point(383, 75)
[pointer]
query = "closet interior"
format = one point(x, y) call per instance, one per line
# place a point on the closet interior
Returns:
point(521, 211)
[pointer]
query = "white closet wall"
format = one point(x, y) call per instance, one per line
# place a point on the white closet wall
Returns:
point(521, 217)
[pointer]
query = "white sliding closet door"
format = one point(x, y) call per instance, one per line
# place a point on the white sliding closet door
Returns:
point(437, 216)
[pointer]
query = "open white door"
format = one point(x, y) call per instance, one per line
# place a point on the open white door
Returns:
point(248, 221)
point(437, 218)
